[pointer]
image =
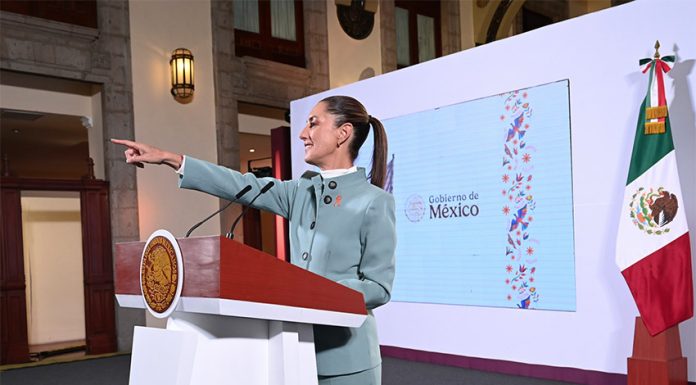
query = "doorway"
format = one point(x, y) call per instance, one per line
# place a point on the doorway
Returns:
point(97, 269)
point(256, 156)
point(52, 246)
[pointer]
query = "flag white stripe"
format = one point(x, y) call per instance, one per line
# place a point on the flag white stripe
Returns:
point(633, 244)
point(653, 90)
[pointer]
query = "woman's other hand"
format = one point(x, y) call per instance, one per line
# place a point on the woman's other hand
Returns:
point(139, 153)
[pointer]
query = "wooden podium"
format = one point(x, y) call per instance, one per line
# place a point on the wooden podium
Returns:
point(244, 317)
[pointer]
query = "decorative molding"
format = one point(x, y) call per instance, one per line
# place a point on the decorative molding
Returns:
point(271, 83)
point(53, 184)
point(65, 30)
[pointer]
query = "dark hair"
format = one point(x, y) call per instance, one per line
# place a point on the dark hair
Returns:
point(348, 110)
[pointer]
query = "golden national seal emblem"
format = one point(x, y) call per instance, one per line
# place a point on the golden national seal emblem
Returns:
point(161, 273)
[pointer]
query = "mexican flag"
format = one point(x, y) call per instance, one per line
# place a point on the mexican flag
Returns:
point(652, 249)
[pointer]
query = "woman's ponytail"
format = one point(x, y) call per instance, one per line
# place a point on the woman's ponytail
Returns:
point(379, 153)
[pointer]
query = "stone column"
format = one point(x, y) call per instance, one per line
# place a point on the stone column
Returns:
point(226, 122)
point(112, 55)
point(451, 31)
point(316, 45)
point(388, 35)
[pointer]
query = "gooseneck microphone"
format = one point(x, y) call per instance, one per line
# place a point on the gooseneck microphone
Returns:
point(239, 195)
point(265, 188)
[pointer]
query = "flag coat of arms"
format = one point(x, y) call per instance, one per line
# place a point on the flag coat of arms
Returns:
point(652, 249)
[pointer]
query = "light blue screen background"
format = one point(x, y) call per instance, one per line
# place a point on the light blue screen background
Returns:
point(460, 149)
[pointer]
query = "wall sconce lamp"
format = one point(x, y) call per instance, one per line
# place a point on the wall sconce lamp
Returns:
point(181, 65)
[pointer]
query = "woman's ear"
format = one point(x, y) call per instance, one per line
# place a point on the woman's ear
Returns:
point(344, 133)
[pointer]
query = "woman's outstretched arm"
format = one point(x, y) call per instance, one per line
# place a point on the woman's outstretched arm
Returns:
point(213, 179)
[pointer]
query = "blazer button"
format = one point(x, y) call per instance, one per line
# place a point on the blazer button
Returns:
point(304, 256)
point(327, 199)
point(332, 184)
point(311, 227)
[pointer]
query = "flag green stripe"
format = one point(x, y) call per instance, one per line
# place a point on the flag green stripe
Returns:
point(648, 149)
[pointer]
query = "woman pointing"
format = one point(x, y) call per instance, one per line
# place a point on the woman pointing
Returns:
point(341, 225)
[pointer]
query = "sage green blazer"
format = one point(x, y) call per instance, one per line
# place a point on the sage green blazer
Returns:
point(342, 228)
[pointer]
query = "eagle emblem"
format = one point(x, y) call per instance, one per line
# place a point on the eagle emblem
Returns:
point(652, 210)
point(161, 273)
point(415, 208)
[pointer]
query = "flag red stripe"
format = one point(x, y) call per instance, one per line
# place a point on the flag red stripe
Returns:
point(665, 67)
point(661, 99)
point(662, 286)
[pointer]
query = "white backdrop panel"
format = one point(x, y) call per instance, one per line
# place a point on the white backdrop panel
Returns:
point(599, 54)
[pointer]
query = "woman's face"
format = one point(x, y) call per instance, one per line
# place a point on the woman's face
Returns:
point(320, 138)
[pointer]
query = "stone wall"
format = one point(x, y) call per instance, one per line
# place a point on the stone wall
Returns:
point(101, 57)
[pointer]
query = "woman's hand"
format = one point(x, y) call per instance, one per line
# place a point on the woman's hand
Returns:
point(139, 153)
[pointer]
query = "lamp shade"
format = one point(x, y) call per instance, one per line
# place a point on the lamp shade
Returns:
point(181, 67)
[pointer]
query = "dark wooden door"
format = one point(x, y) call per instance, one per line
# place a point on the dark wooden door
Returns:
point(13, 308)
point(97, 266)
point(98, 270)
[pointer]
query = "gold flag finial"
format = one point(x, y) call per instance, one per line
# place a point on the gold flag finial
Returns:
point(657, 46)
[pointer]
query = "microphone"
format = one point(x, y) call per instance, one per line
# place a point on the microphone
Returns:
point(265, 188)
point(239, 195)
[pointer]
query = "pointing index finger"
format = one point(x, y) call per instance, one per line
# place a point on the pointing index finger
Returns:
point(125, 142)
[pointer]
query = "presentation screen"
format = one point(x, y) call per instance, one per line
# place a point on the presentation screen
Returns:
point(484, 211)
